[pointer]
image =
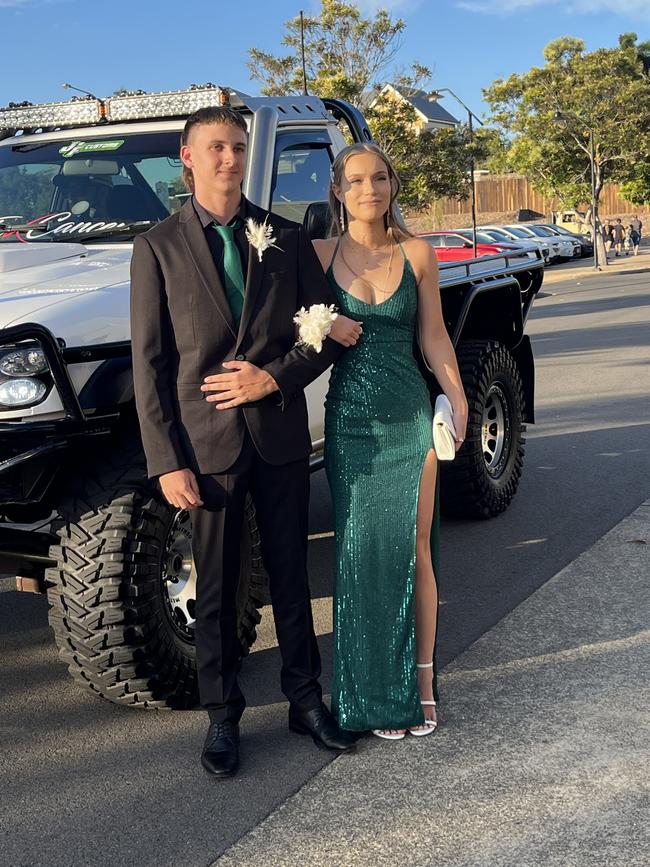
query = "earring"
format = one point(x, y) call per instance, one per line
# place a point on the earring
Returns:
point(342, 218)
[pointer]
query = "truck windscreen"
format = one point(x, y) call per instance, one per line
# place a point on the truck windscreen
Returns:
point(88, 189)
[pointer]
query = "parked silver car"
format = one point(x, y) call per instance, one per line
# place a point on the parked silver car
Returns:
point(553, 248)
point(500, 233)
point(568, 249)
point(586, 244)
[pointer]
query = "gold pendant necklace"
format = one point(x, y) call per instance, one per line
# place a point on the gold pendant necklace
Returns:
point(365, 280)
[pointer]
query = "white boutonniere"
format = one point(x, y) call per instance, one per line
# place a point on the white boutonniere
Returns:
point(314, 324)
point(260, 236)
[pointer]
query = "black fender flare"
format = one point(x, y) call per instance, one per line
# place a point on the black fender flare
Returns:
point(110, 385)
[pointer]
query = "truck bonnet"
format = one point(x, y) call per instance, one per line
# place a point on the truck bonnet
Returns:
point(35, 278)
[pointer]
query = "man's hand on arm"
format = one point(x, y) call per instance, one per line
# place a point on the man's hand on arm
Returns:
point(181, 489)
point(243, 383)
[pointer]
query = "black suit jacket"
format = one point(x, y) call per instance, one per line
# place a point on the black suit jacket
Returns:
point(182, 330)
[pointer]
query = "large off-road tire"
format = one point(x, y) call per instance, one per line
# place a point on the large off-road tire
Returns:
point(123, 590)
point(483, 478)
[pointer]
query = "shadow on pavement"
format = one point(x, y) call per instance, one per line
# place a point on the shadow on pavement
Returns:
point(590, 306)
point(596, 337)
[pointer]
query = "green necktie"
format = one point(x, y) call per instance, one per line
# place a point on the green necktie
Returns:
point(233, 274)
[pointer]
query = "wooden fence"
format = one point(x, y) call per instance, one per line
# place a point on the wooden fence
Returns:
point(504, 193)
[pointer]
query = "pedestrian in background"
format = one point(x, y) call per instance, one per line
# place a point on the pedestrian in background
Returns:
point(634, 237)
point(618, 236)
point(608, 237)
point(637, 225)
point(627, 243)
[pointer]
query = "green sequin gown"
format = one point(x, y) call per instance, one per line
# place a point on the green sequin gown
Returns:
point(378, 431)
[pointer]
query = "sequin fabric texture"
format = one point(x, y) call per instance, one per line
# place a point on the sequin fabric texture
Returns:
point(378, 430)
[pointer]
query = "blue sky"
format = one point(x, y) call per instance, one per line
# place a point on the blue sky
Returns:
point(163, 45)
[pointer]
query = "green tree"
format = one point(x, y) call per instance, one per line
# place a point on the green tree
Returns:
point(604, 93)
point(629, 42)
point(344, 53)
point(431, 164)
point(346, 56)
point(491, 150)
point(637, 190)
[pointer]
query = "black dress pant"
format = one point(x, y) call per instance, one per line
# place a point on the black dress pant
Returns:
point(281, 498)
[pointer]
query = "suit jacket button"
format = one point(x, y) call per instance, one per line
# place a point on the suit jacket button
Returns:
point(240, 358)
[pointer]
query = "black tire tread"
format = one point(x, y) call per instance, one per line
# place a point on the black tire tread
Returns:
point(105, 609)
point(466, 489)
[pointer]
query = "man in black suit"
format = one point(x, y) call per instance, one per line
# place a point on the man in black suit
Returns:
point(219, 391)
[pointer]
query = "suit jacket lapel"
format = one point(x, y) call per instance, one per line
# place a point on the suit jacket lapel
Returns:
point(194, 237)
point(254, 274)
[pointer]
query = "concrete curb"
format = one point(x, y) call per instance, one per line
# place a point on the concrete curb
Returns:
point(542, 754)
point(584, 273)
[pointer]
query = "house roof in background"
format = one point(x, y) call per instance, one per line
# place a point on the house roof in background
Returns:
point(431, 109)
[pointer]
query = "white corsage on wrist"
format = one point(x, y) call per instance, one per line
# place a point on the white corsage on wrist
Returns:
point(314, 324)
point(260, 236)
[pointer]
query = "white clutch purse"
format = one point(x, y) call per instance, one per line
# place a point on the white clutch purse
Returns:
point(444, 433)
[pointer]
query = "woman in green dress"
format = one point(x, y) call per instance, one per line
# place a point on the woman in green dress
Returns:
point(379, 455)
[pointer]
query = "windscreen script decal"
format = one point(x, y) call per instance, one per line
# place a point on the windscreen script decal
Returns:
point(64, 226)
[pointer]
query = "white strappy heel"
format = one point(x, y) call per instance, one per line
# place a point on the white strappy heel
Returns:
point(387, 736)
point(429, 726)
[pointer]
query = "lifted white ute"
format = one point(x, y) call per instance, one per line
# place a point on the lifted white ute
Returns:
point(78, 518)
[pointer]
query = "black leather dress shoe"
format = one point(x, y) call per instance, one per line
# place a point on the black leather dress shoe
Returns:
point(220, 756)
point(321, 725)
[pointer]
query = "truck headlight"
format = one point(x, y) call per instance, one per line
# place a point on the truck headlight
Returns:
point(22, 392)
point(23, 362)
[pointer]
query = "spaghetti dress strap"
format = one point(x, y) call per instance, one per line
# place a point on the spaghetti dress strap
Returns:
point(336, 249)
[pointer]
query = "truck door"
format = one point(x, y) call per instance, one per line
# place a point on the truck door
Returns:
point(301, 173)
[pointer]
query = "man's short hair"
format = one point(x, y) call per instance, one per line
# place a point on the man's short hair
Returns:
point(210, 115)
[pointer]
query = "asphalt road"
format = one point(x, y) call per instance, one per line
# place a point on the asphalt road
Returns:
point(84, 782)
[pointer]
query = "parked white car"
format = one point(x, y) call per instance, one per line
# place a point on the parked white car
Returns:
point(567, 248)
point(500, 233)
point(553, 247)
point(586, 245)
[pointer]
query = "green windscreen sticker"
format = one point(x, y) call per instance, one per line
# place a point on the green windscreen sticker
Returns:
point(90, 147)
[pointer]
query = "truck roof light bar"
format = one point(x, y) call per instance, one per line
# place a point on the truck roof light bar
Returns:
point(179, 103)
point(76, 112)
point(123, 106)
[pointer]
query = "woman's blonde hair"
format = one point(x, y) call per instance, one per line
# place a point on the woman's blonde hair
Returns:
point(393, 221)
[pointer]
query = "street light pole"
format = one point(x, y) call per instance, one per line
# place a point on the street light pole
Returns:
point(434, 96)
point(472, 180)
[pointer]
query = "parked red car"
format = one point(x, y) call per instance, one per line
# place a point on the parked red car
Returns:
point(452, 247)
